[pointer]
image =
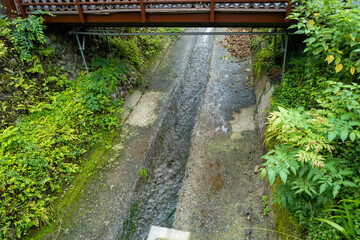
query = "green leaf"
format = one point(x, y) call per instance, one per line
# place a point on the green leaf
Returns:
point(349, 184)
point(272, 176)
point(353, 36)
point(336, 226)
point(352, 136)
point(344, 134)
point(263, 173)
point(283, 176)
point(336, 190)
point(331, 136)
point(323, 187)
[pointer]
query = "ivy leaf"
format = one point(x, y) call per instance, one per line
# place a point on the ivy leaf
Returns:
point(336, 190)
point(331, 136)
point(338, 68)
point(343, 135)
point(283, 176)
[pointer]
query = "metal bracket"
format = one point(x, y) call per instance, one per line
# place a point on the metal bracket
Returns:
point(284, 58)
point(82, 48)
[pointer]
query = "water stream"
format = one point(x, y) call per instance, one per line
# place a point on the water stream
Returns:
point(157, 195)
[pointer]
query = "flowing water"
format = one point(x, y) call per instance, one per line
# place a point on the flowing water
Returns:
point(157, 195)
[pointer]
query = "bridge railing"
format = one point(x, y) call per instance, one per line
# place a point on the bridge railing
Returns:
point(82, 8)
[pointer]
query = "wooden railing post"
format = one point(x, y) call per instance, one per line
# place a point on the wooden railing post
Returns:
point(212, 10)
point(143, 14)
point(81, 14)
point(22, 10)
point(288, 10)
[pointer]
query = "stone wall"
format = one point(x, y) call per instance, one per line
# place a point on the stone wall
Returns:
point(69, 59)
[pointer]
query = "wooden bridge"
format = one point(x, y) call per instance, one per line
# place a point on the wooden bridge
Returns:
point(169, 13)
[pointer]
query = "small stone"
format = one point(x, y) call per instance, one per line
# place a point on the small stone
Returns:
point(13, 62)
point(256, 169)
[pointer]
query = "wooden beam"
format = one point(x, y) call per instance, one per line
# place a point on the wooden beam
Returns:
point(288, 10)
point(143, 14)
point(212, 10)
point(81, 14)
point(22, 10)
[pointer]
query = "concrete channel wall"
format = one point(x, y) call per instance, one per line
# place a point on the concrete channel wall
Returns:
point(283, 224)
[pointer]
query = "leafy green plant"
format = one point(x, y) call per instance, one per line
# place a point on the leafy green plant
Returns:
point(265, 205)
point(143, 173)
point(344, 216)
point(333, 30)
point(303, 149)
point(27, 33)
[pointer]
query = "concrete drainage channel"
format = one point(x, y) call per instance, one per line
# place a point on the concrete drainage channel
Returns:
point(194, 132)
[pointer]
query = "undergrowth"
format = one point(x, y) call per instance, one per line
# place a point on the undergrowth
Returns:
point(48, 122)
point(314, 124)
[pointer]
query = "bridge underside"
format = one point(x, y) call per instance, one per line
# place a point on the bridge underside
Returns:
point(167, 13)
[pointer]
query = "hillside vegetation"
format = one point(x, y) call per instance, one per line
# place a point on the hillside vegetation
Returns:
point(313, 132)
point(48, 122)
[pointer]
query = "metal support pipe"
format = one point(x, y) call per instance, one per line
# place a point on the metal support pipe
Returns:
point(118, 33)
point(275, 30)
point(284, 59)
point(81, 48)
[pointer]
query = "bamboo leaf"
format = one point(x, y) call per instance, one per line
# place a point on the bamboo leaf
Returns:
point(336, 226)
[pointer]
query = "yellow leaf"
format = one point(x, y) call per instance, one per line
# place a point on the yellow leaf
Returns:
point(352, 70)
point(340, 52)
point(329, 59)
point(316, 14)
point(310, 23)
point(339, 67)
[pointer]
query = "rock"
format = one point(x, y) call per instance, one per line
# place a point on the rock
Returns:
point(256, 169)
point(13, 62)
point(52, 37)
point(47, 41)
point(110, 55)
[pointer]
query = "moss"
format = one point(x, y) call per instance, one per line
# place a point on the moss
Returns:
point(66, 203)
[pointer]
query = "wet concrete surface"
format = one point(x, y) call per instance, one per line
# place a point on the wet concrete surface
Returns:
point(193, 130)
point(105, 203)
point(157, 195)
point(221, 197)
